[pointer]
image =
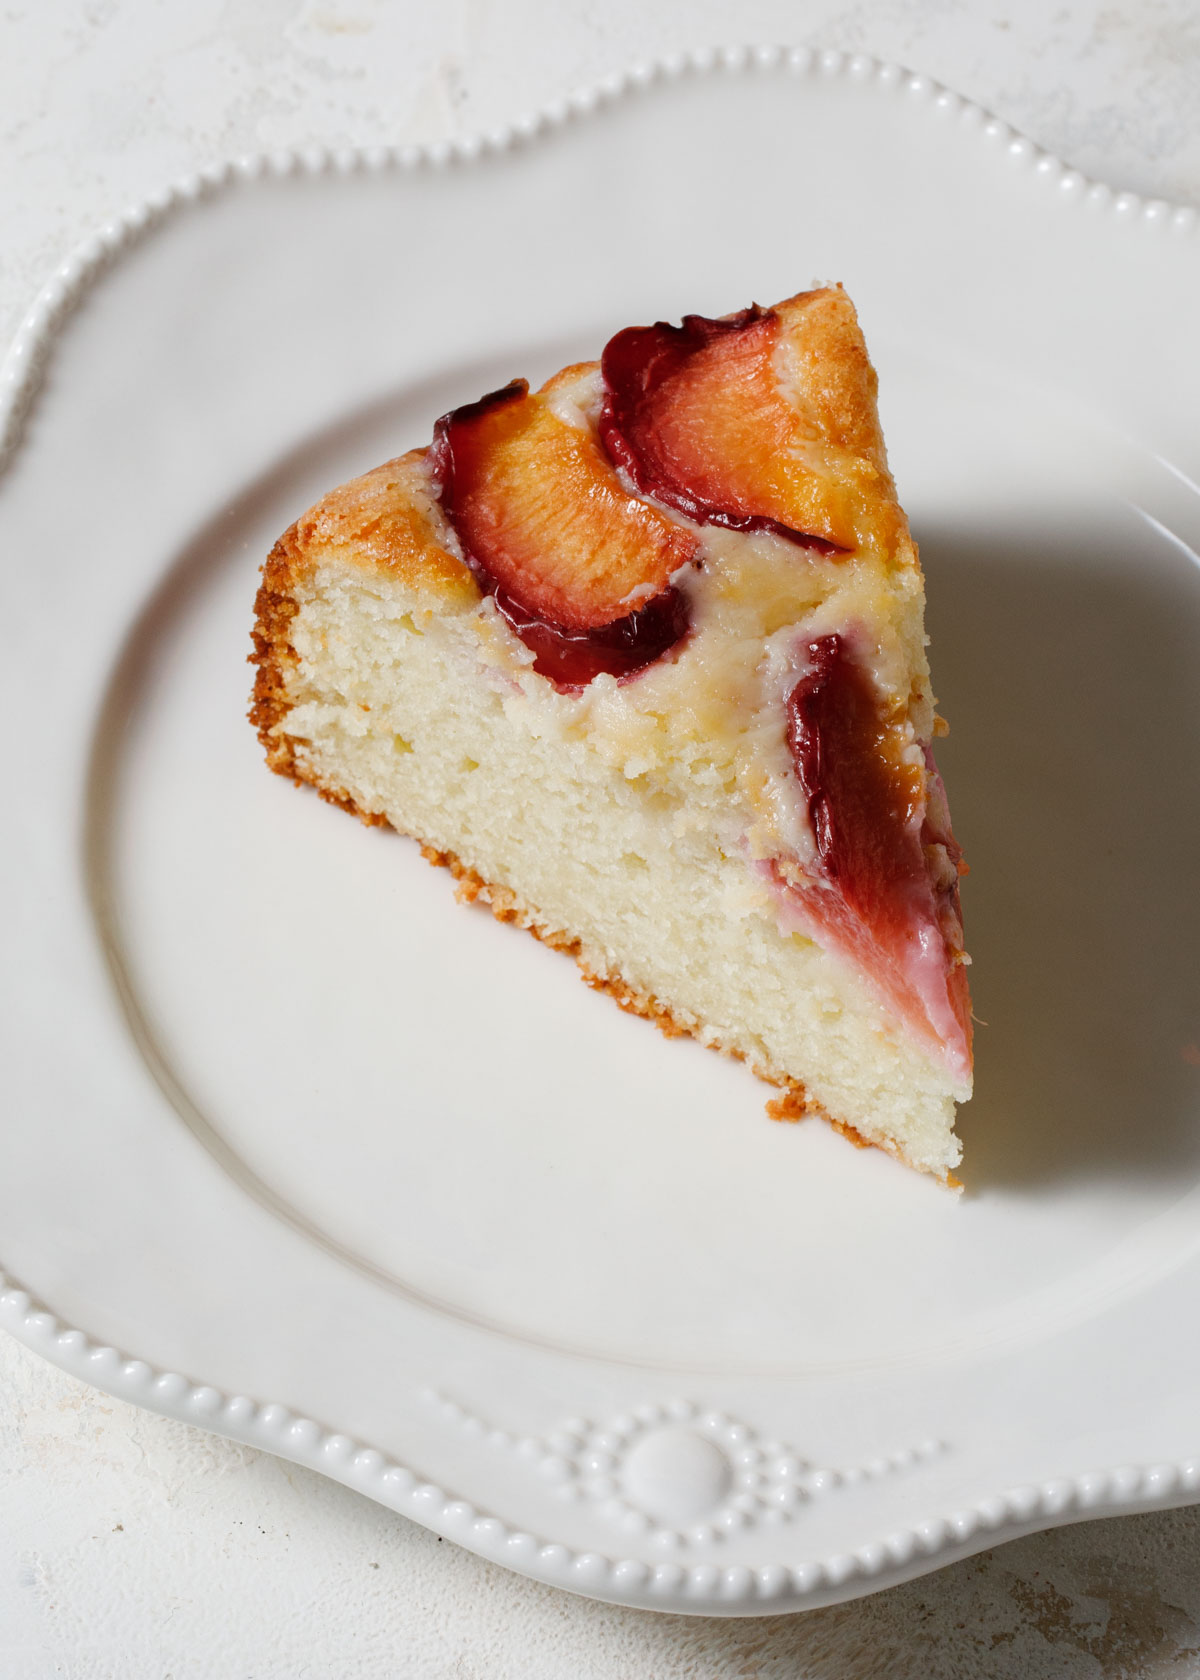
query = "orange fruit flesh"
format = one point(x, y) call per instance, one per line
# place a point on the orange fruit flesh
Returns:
point(539, 507)
point(695, 416)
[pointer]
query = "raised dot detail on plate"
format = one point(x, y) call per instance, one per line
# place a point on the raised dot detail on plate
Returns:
point(735, 1582)
point(770, 1580)
point(675, 1474)
point(807, 1576)
point(1160, 1480)
point(900, 1546)
point(1126, 1482)
point(590, 1568)
point(1058, 1495)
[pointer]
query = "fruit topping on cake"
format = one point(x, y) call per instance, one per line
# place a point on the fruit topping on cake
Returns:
point(579, 567)
point(641, 656)
point(538, 508)
point(884, 887)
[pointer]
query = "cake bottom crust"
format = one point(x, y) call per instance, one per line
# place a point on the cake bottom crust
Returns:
point(470, 888)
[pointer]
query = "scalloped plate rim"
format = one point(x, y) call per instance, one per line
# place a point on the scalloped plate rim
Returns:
point(271, 1426)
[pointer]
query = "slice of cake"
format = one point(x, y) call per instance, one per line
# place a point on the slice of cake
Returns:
point(640, 656)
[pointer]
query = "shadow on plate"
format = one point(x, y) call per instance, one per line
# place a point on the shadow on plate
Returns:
point(1069, 665)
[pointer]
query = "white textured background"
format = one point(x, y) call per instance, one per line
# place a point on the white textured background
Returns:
point(136, 1549)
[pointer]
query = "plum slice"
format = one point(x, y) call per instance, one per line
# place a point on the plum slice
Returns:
point(886, 890)
point(572, 658)
point(694, 415)
point(542, 515)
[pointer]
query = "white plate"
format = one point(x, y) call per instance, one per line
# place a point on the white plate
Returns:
point(282, 1117)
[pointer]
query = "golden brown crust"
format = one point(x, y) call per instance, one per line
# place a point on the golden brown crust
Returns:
point(568, 376)
point(381, 520)
point(832, 383)
point(274, 609)
point(389, 520)
point(275, 658)
point(836, 382)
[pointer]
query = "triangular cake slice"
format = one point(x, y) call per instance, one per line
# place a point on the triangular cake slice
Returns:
point(641, 657)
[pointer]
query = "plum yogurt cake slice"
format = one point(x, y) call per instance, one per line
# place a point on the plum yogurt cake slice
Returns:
point(640, 656)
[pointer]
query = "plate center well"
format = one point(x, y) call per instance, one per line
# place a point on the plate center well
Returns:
point(439, 1099)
